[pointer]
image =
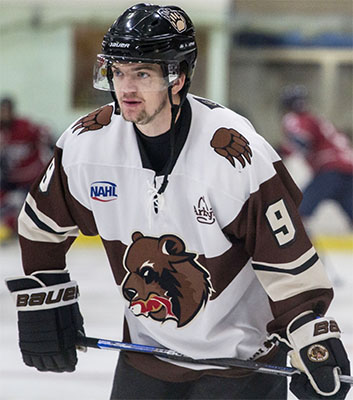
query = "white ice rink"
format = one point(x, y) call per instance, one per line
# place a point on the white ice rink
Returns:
point(102, 313)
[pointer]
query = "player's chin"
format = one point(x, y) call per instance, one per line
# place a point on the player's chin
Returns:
point(129, 115)
point(140, 118)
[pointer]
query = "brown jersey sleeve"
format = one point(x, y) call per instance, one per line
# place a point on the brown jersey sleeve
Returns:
point(281, 252)
point(51, 219)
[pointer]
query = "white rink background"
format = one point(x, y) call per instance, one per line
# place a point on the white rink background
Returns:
point(102, 313)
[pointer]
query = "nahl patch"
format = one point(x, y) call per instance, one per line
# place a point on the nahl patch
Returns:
point(103, 191)
point(45, 298)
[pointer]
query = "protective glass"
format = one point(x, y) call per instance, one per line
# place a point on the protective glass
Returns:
point(133, 74)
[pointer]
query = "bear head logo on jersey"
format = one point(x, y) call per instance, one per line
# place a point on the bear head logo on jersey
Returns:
point(164, 281)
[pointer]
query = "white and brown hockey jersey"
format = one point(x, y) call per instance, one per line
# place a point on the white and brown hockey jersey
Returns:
point(209, 267)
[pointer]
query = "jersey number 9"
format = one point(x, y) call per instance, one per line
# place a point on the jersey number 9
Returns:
point(280, 222)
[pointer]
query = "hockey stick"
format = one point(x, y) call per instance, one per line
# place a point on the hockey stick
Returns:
point(174, 355)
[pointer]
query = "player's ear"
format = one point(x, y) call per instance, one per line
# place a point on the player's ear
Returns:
point(178, 84)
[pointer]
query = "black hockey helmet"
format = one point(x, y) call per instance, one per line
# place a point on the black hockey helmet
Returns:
point(294, 97)
point(149, 34)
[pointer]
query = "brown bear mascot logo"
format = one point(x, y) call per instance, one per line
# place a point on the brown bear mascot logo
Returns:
point(164, 281)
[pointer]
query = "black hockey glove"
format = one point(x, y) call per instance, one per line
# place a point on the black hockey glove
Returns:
point(48, 319)
point(319, 353)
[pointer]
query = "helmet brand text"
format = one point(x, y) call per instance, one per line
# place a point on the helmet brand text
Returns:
point(120, 45)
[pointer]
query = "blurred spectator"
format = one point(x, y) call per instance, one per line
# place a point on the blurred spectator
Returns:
point(328, 153)
point(25, 148)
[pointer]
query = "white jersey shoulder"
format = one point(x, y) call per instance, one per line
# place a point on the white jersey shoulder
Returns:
point(221, 144)
point(229, 146)
point(99, 138)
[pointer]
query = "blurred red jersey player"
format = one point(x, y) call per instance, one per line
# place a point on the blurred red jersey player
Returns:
point(328, 153)
point(24, 150)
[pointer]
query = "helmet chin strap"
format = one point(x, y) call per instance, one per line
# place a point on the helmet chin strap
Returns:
point(117, 108)
point(112, 90)
point(174, 111)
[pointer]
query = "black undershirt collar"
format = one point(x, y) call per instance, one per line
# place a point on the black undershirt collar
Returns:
point(155, 151)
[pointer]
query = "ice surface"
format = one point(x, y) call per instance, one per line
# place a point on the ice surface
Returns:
point(103, 318)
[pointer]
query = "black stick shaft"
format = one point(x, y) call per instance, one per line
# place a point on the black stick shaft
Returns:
point(174, 355)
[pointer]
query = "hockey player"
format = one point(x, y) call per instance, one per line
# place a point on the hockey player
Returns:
point(328, 153)
point(24, 151)
point(199, 220)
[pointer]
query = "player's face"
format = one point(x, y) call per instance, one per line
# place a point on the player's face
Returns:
point(141, 91)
